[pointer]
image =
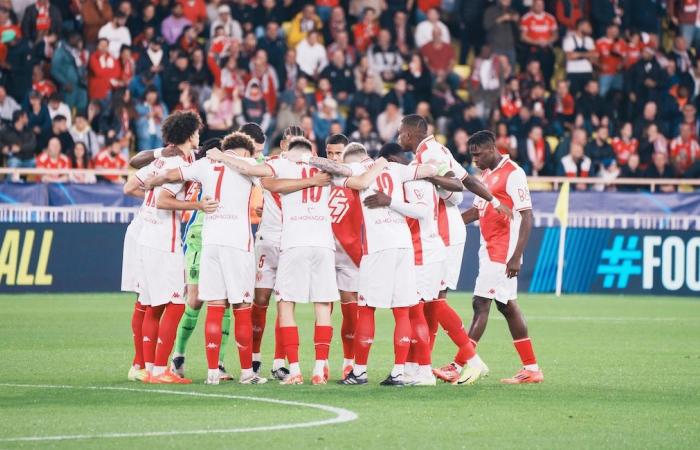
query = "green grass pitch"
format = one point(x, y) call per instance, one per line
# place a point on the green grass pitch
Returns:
point(620, 372)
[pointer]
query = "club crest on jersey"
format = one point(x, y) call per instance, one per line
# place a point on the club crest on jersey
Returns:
point(338, 204)
point(159, 163)
point(418, 194)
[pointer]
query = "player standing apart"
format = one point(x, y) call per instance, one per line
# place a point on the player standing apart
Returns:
point(501, 252)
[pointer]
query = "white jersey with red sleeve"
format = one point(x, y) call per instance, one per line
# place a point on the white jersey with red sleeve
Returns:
point(428, 246)
point(499, 235)
point(384, 228)
point(229, 225)
point(270, 228)
point(306, 219)
point(161, 228)
point(450, 224)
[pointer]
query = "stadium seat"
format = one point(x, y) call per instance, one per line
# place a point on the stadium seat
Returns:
point(553, 142)
point(462, 71)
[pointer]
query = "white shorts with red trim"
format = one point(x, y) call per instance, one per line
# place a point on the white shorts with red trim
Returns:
point(492, 282)
point(453, 265)
point(163, 277)
point(226, 273)
point(131, 260)
point(347, 274)
point(306, 275)
point(388, 279)
point(429, 280)
point(267, 258)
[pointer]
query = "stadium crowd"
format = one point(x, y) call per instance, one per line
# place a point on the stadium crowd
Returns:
point(605, 88)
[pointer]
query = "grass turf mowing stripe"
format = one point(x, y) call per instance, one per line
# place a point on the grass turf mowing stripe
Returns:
point(342, 415)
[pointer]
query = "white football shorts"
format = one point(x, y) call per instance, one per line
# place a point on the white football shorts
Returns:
point(131, 260)
point(163, 277)
point(453, 265)
point(388, 279)
point(306, 274)
point(492, 282)
point(267, 258)
point(429, 280)
point(226, 273)
point(347, 274)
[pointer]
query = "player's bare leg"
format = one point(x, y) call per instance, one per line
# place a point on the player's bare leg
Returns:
point(531, 372)
point(289, 334)
point(348, 306)
point(243, 332)
point(323, 333)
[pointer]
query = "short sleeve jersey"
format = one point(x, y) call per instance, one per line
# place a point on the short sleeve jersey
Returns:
point(384, 228)
point(507, 182)
point(306, 219)
point(428, 246)
point(450, 224)
point(229, 225)
point(161, 229)
point(538, 27)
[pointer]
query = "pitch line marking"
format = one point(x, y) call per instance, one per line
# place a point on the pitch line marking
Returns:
point(605, 319)
point(342, 415)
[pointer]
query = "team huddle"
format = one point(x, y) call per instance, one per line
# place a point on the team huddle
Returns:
point(385, 233)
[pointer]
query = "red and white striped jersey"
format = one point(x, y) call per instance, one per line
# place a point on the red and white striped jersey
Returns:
point(306, 219)
point(229, 225)
point(161, 228)
point(384, 228)
point(450, 224)
point(428, 246)
point(508, 184)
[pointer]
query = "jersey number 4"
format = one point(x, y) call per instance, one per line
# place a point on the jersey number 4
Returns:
point(312, 194)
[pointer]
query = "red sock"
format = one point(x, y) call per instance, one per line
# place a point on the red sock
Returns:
point(421, 335)
point(151, 322)
point(290, 342)
point(524, 348)
point(364, 334)
point(402, 334)
point(347, 329)
point(258, 319)
point(473, 342)
point(430, 311)
point(137, 333)
point(279, 347)
point(452, 324)
point(322, 341)
point(212, 334)
point(243, 331)
point(167, 331)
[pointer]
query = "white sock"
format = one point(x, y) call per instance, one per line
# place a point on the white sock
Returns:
point(158, 371)
point(256, 357)
point(277, 364)
point(457, 366)
point(425, 371)
point(294, 369)
point(475, 361)
point(246, 373)
point(532, 367)
point(397, 370)
point(177, 355)
point(137, 367)
point(360, 370)
point(213, 373)
point(348, 362)
point(319, 366)
point(410, 368)
point(149, 368)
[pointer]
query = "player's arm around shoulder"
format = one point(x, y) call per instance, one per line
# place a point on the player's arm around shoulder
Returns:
point(241, 165)
point(362, 181)
point(290, 185)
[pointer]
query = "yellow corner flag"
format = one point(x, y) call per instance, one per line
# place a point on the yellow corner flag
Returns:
point(562, 208)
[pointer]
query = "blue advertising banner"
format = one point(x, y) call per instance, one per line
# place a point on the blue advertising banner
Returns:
point(31, 194)
point(87, 258)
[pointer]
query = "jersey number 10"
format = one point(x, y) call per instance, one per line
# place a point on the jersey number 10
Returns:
point(312, 194)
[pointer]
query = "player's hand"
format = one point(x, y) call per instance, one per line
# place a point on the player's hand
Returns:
point(208, 205)
point(382, 162)
point(503, 209)
point(320, 179)
point(215, 154)
point(172, 150)
point(377, 200)
point(513, 267)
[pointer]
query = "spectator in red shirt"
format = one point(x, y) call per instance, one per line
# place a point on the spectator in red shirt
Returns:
point(510, 99)
point(684, 14)
point(52, 158)
point(194, 10)
point(439, 57)
point(684, 150)
point(365, 31)
point(569, 12)
point(40, 83)
point(104, 72)
point(538, 31)
point(611, 51)
point(110, 158)
point(625, 145)
point(561, 108)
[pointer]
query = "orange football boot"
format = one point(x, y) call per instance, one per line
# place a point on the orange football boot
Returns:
point(525, 376)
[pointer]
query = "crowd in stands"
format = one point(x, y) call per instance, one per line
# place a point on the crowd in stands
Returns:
point(605, 88)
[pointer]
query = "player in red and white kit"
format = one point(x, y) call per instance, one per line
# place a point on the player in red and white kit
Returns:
point(131, 260)
point(306, 264)
point(267, 250)
point(502, 244)
point(346, 213)
point(161, 249)
point(387, 272)
point(227, 263)
point(413, 136)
